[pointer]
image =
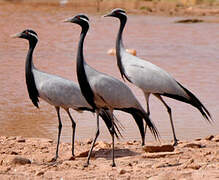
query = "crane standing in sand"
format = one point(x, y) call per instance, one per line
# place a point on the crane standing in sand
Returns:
point(102, 91)
point(150, 78)
point(57, 91)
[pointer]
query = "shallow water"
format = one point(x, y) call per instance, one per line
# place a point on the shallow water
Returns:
point(190, 52)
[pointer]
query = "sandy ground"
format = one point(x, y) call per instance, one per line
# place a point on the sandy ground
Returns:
point(29, 158)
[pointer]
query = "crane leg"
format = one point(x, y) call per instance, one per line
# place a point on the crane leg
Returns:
point(171, 119)
point(59, 133)
point(146, 95)
point(94, 141)
point(113, 130)
point(73, 131)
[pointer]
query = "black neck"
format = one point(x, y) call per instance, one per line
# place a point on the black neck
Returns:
point(81, 74)
point(120, 47)
point(31, 86)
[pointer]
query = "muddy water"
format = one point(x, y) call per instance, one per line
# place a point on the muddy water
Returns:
point(190, 52)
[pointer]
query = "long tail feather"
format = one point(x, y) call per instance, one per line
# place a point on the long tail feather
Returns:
point(108, 121)
point(194, 101)
point(139, 115)
point(150, 124)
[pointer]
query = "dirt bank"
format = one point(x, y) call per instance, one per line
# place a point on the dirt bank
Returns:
point(147, 7)
point(29, 158)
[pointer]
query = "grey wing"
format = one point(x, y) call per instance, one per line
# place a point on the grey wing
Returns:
point(59, 91)
point(114, 92)
point(151, 78)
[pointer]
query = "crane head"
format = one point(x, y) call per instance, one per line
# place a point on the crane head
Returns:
point(78, 19)
point(26, 34)
point(118, 13)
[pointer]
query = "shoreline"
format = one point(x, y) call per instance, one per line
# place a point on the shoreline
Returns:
point(150, 7)
point(22, 158)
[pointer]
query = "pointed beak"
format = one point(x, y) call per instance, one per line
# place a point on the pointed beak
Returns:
point(68, 20)
point(17, 35)
point(107, 15)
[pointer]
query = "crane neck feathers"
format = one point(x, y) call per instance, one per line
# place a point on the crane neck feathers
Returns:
point(120, 48)
point(81, 74)
point(30, 81)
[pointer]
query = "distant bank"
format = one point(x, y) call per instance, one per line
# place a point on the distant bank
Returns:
point(159, 7)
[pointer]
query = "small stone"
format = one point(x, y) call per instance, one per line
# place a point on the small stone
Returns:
point(21, 140)
point(40, 173)
point(209, 138)
point(14, 153)
point(129, 143)
point(130, 164)
point(195, 166)
point(122, 171)
point(216, 138)
point(163, 148)
point(193, 145)
point(21, 161)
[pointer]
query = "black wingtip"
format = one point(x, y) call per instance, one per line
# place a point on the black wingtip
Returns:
point(151, 126)
point(194, 101)
point(108, 121)
point(35, 104)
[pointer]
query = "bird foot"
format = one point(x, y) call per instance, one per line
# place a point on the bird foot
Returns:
point(86, 164)
point(175, 142)
point(72, 158)
point(113, 164)
point(54, 159)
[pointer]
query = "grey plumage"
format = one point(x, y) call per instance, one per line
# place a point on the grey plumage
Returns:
point(57, 91)
point(150, 78)
point(103, 91)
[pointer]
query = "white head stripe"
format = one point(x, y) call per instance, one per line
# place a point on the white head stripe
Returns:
point(84, 19)
point(33, 35)
point(123, 13)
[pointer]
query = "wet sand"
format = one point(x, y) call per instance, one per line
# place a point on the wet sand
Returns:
point(29, 158)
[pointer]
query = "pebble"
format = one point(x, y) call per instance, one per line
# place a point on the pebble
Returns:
point(209, 138)
point(193, 145)
point(122, 171)
point(162, 148)
point(216, 138)
point(21, 161)
point(39, 173)
point(21, 140)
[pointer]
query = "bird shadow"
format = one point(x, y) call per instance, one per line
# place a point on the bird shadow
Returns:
point(118, 152)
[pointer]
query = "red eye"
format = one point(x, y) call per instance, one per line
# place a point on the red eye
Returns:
point(26, 32)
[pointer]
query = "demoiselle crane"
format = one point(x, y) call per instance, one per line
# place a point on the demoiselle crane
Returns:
point(150, 78)
point(103, 91)
point(57, 91)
